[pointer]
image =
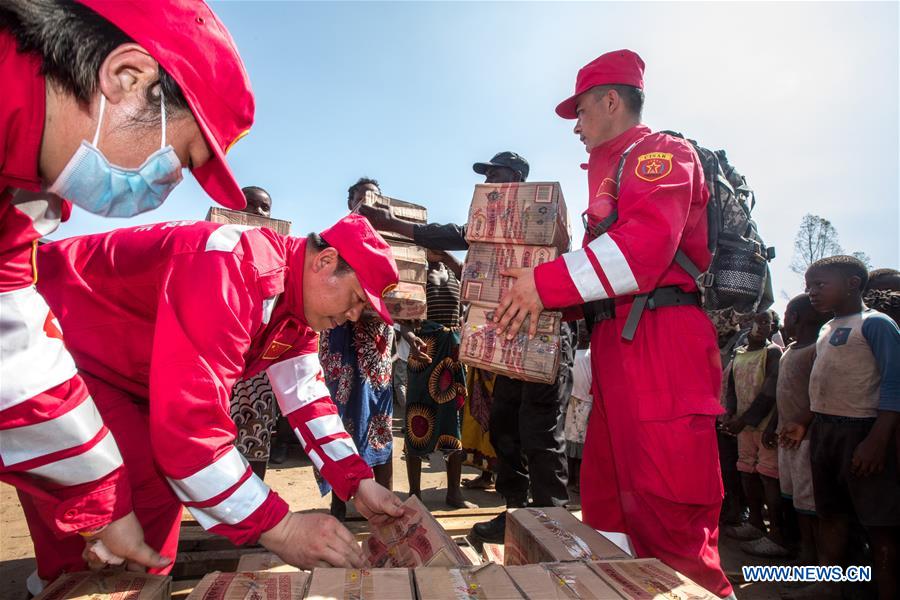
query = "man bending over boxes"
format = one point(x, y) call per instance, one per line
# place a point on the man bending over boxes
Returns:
point(163, 319)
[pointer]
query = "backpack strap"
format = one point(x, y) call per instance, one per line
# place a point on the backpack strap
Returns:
point(603, 226)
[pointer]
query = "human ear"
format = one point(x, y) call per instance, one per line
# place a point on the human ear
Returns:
point(127, 70)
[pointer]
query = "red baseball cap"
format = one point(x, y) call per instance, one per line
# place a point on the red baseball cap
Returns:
point(193, 46)
point(622, 67)
point(368, 255)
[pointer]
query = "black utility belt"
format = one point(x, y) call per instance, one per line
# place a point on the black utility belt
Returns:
point(600, 310)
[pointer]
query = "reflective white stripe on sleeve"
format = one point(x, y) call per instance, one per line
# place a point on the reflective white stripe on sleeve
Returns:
point(211, 480)
point(226, 238)
point(69, 430)
point(300, 437)
point(237, 507)
point(317, 460)
point(297, 382)
point(325, 426)
point(584, 276)
point(339, 448)
point(614, 265)
point(101, 460)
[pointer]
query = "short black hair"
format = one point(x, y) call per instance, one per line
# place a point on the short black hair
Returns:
point(805, 311)
point(849, 266)
point(632, 97)
point(72, 42)
point(884, 273)
point(351, 191)
point(318, 244)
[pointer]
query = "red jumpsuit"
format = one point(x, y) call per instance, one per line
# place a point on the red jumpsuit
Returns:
point(650, 466)
point(162, 321)
point(54, 445)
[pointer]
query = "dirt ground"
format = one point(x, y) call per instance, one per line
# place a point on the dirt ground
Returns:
point(295, 482)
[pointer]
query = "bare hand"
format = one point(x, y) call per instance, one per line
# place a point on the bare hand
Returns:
point(379, 217)
point(377, 503)
point(313, 540)
point(734, 425)
point(868, 458)
point(520, 301)
point(791, 435)
point(120, 541)
point(769, 439)
point(418, 349)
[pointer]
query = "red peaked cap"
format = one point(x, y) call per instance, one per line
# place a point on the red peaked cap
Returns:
point(193, 46)
point(622, 67)
point(368, 255)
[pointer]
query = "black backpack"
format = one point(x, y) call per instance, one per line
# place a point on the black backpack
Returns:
point(737, 283)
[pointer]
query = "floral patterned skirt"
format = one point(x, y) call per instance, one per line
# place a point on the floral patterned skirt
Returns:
point(436, 393)
point(356, 360)
point(476, 435)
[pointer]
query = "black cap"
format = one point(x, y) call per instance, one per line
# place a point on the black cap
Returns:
point(504, 159)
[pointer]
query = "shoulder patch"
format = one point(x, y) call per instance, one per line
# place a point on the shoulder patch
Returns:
point(653, 166)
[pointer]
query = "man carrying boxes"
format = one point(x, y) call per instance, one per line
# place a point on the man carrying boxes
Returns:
point(650, 466)
point(526, 418)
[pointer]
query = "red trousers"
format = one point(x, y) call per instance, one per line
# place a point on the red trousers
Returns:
point(156, 506)
point(651, 465)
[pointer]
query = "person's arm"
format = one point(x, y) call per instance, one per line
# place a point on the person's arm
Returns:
point(206, 312)
point(764, 402)
point(628, 259)
point(884, 339)
point(730, 394)
point(433, 236)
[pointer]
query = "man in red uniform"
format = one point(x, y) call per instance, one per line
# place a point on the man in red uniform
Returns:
point(163, 319)
point(103, 103)
point(650, 465)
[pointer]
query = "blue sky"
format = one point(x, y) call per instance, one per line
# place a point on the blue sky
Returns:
point(804, 96)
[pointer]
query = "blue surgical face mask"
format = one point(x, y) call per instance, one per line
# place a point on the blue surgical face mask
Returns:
point(90, 181)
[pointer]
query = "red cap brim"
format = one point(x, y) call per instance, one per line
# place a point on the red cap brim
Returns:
point(566, 108)
point(215, 176)
point(379, 306)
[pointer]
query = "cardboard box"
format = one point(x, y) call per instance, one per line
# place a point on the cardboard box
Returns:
point(492, 553)
point(264, 561)
point(532, 214)
point(361, 584)
point(412, 262)
point(400, 209)
point(108, 585)
point(235, 217)
point(407, 302)
point(481, 279)
point(536, 535)
point(415, 539)
point(561, 581)
point(649, 578)
point(259, 586)
point(486, 582)
point(535, 359)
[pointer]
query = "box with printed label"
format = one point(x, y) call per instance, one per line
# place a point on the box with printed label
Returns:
point(259, 586)
point(108, 585)
point(532, 214)
point(413, 540)
point(400, 209)
point(407, 302)
point(412, 262)
point(485, 582)
point(561, 581)
point(535, 359)
point(361, 584)
point(649, 578)
point(481, 278)
point(553, 534)
point(264, 561)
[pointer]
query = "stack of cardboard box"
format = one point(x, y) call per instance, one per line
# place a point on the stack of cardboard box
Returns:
point(407, 301)
point(511, 225)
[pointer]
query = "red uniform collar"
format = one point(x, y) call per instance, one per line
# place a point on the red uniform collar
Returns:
point(610, 150)
point(21, 116)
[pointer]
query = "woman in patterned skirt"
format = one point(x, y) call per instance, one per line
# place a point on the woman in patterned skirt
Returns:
point(437, 384)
